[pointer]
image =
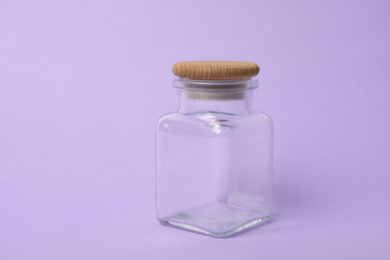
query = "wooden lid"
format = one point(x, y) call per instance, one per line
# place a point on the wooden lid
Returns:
point(215, 70)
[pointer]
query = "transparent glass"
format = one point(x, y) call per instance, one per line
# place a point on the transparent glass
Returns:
point(214, 159)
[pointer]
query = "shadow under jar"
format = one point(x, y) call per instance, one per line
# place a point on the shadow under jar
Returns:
point(214, 159)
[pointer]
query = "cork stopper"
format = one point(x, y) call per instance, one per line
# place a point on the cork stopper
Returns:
point(215, 70)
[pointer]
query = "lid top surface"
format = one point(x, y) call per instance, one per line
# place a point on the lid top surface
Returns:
point(215, 70)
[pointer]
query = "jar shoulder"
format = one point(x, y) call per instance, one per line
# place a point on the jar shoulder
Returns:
point(257, 116)
point(263, 118)
point(214, 122)
point(168, 117)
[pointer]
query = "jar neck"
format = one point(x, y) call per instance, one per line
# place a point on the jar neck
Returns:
point(192, 102)
point(219, 96)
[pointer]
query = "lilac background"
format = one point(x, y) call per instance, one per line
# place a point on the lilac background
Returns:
point(82, 84)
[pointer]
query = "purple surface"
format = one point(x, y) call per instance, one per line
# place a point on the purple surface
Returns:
point(82, 84)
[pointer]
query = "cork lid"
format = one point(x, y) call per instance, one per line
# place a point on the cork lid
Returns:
point(215, 70)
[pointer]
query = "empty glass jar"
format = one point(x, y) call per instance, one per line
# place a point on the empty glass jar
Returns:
point(214, 159)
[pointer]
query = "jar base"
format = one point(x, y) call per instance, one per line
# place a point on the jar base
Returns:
point(215, 219)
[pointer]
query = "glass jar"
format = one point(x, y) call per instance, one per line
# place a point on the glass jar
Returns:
point(214, 159)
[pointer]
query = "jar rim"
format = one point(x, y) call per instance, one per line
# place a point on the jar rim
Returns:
point(215, 85)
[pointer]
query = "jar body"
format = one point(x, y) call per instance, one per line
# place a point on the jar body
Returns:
point(214, 169)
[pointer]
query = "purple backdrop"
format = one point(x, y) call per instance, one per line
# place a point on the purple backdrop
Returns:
point(82, 84)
